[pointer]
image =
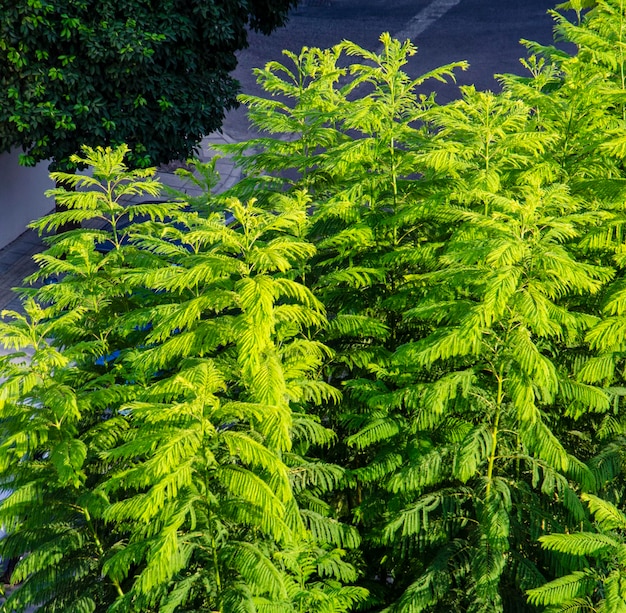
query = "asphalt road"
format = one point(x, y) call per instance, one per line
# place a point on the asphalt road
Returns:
point(486, 33)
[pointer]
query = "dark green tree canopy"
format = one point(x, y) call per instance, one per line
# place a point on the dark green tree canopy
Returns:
point(152, 73)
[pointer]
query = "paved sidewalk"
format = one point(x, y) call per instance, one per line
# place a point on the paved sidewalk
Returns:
point(16, 259)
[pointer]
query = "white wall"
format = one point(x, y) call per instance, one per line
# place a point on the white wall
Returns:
point(21, 195)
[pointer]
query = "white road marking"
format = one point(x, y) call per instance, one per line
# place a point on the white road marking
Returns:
point(425, 18)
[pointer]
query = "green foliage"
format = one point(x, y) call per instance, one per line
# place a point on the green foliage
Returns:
point(153, 75)
point(148, 438)
point(467, 256)
point(374, 376)
point(601, 586)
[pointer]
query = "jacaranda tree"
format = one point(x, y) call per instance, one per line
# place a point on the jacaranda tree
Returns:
point(157, 413)
point(384, 373)
point(473, 310)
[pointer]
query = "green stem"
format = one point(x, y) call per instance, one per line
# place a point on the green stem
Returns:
point(621, 52)
point(394, 173)
point(487, 154)
point(394, 186)
point(494, 432)
point(218, 579)
point(100, 548)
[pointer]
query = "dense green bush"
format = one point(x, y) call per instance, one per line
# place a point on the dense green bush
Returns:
point(389, 379)
point(155, 75)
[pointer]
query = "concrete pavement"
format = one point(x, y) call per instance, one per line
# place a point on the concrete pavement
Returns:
point(486, 33)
